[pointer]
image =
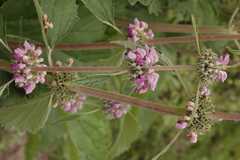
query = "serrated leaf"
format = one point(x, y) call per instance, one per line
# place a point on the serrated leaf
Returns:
point(87, 29)
point(27, 116)
point(102, 9)
point(154, 7)
point(62, 14)
point(129, 131)
point(92, 136)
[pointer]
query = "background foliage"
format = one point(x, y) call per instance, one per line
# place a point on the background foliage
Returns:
point(141, 134)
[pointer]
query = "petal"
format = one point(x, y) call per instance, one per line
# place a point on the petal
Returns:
point(131, 55)
point(29, 88)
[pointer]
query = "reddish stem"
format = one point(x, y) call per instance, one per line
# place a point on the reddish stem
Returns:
point(157, 41)
point(136, 102)
point(106, 69)
point(112, 96)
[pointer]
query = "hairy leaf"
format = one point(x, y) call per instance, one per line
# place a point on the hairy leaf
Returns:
point(102, 10)
point(91, 134)
point(62, 14)
point(29, 116)
point(129, 131)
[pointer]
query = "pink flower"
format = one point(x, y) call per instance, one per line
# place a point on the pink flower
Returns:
point(132, 56)
point(147, 81)
point(146, 56)
point(221, 75)
point(193, 137)
point(152, 56)
point(23, 60)
point(181, 124)
point(115, 110)
point(29, 87)
point(190, 106)
point(73, 105)
point(205, 91)
point(152, 79)
point(139, 30)
point(223, 60)
point(141, 84)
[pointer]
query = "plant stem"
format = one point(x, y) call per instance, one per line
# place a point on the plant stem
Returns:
point(112, 96)
point(44, 36)
point(168, 146)
point(157, 41)
point(136, 102)
point(176, 28)
point(173, 68)
point(233, 66)
point(105, 69)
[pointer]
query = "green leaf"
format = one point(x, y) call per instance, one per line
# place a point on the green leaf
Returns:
point(62, 14)
point(30, 116)
point(155, 7)
point(102, 9)
point(87, 29)
point(13, 10)
point(32, 147)
point(71, 152)
point(129, 131)
point(91, 135)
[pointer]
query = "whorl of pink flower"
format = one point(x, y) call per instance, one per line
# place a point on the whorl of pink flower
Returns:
point(146, 56)
point(223, 60)
point(139, 30)
point(193, 137)
point(146, 81)
point(24, 58)
point(115, 110)
point(75, 104)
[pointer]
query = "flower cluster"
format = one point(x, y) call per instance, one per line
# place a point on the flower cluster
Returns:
point(74, 104)
point(197, 116)
point(115, 110)
point(25, 58)
point(186, 120)
point(211, 68)
point(139, 30)
point(63, 97)
point(141, 61)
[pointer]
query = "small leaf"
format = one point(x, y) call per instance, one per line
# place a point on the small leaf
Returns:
point(102, 10)
point(30, 116)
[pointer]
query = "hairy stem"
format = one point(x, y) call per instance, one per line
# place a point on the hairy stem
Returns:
point(136, 102)
point(157, 41)
point(105, 69)
point(126, 99)
point(168, 146)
